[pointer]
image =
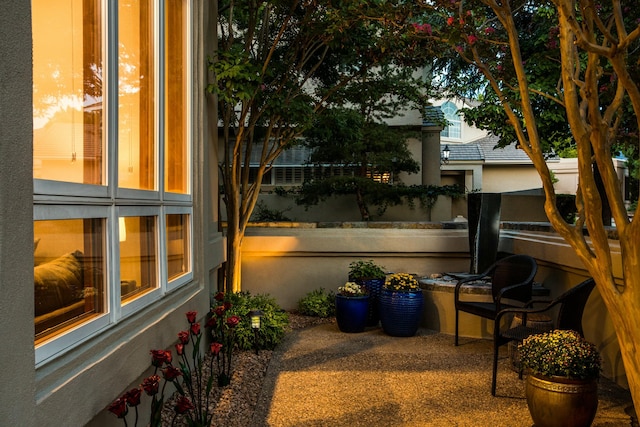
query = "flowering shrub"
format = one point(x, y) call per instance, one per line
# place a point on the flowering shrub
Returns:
point(560, 353)
point(352, 289)
point(189, 379)
point(401, 282)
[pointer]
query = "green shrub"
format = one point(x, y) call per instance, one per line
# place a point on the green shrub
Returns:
point(318, 303)
point(272, 326)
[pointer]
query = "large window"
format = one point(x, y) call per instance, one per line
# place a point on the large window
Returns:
point(111, 162)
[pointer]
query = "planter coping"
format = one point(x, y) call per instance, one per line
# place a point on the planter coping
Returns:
point(448, 284)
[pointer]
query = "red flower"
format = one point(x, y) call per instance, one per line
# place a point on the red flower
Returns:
point(219, 296)
point(151, 385)
point(489, 30)
point(183, 336)
point(215, 348)
point(158, 357)
point(472, 39)
point(119, 407)
point(180, 349)
point(219, 311)
point(171, 373)
point(233, 321)
point(133, 397)
point(451, 20)
point(195, 329)
point(191, 316)
point(183, 405)
point(168, 357)
point(211, 322)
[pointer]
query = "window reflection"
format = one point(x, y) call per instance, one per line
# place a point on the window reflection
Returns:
point(67, 91)
point(177, 245)
point(136, 95)
point(138, 256)
point(176, 92)
point(69, 273)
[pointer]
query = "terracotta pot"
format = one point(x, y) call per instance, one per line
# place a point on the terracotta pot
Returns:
point(561, 402)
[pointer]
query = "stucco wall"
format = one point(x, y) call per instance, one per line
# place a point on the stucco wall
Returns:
point(497, 179)
point(16, 213)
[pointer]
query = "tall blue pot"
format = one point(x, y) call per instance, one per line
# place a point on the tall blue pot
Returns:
point(401, 312)
point(374, 286)
point(352, 313)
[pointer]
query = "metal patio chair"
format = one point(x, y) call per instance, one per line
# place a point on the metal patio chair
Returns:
point(511, 280)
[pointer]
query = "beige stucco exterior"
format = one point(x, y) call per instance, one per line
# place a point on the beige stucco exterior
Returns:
point(74, 387)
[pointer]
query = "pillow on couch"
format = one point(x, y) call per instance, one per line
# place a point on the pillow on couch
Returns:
point(58, 283)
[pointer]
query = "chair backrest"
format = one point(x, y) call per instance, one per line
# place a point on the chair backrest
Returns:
point(572, 305)
point(512, 270)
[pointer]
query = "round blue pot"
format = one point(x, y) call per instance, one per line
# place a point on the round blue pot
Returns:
point(401, 312)
point(374, 286)
point(352, 313)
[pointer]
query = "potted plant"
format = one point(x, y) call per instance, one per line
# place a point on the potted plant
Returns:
point(401, 303)
point(372, 276)
point(562, 372)
point(352, 307)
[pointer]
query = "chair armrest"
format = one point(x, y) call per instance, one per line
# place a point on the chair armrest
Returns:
point(530, 303)
point(523, 311)
point(506, 292)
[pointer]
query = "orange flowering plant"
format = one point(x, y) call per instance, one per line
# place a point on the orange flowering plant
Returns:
point(403, 282)
point(560, 353)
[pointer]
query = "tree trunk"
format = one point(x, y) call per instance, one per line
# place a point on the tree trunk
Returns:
point(233, 264)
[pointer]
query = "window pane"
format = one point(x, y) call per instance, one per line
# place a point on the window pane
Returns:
point(177, 245)
point(67, 91)
point(136, 96)
point(69, 273)
point(138, 259)
point(176, 108)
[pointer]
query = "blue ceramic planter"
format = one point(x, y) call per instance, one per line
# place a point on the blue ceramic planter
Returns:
point(352, 313)
point(401, 312)
point(374, 286)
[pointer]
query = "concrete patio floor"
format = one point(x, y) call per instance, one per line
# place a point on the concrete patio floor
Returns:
point(320, 376)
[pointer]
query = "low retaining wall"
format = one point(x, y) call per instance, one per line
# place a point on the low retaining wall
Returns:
point(290, 262)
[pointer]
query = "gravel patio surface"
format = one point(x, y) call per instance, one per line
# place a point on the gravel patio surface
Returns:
point(319, 376)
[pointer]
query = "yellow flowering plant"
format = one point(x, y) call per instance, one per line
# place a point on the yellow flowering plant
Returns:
point(560, 353)
point(401, 282)
point(352, 289)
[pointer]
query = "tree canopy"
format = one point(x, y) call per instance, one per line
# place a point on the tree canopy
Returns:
point(276, 67)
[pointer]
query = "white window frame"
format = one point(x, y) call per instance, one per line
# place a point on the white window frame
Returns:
point(453, 120)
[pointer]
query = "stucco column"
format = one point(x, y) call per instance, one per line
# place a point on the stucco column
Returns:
point(431, 155)
point(17, 392)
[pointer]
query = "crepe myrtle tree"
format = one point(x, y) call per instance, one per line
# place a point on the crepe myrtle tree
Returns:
point(276, 66)
point(596, 61)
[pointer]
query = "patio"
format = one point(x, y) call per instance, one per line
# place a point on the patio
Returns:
point(319, 376)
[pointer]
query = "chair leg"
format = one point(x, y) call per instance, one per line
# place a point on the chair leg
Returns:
point(456, 336)
point(495, 367)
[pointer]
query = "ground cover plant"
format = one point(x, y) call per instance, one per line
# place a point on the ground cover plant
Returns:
point(318, 303)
